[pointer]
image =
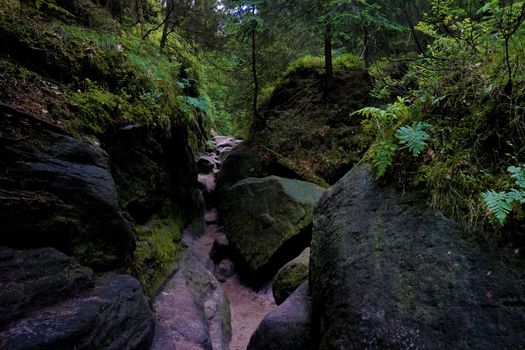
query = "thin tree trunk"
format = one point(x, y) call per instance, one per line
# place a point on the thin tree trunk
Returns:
point(254, 72)
point(140, 16)
point(328, 62)
point(168, 23)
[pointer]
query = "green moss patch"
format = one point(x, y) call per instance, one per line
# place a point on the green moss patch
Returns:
point(157, 250)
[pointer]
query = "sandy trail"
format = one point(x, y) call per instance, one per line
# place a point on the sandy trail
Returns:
point(248, 307)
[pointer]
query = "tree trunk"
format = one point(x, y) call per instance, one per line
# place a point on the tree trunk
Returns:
point(168, 23)
point(328, 62)
point(254, 74)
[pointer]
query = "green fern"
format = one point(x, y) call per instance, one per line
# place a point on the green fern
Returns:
point(498, 204)
point(384, 153)
point(518, 174)
point(414, 137)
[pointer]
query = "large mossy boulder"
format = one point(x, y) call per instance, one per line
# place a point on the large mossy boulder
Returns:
point(58, 191)
point(49, 301)
point(267, 220)
point(287, 327)
point(388, 273)
point(291, 276)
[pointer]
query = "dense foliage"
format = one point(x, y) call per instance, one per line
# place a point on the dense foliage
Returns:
point(449, 80)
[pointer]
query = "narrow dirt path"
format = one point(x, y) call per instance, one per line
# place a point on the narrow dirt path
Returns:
point(248, 307)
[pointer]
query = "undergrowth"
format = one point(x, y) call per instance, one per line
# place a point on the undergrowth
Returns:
point(470, 87)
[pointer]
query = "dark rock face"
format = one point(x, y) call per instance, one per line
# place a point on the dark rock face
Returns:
point(267, 220)
point(49, 301)
point(387, 273)
point(36, 278)
point(58, 191)
point(206, 164)
point(152, 167)
point(238, 165)
point(291, 276)
point(243, 162)
point(288, 326)
point(192, 311)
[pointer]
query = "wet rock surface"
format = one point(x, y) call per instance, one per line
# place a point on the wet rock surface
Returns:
point(287, 327)
point(51, 302)
point(387, 273)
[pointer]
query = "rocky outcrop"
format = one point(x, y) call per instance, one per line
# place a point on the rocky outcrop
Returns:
point(64, 186)
point(153, 167)
point(32, 279)
point(291, 276)
point(50, 302)
point(245, 161)
point(267, 220)
point(311, 131)
point(238, 165)
point(288, 326)
point(388, 273)
point(192, 311)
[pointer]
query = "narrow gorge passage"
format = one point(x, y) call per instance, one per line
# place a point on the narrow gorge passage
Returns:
point(247, 306)
point(206, 261)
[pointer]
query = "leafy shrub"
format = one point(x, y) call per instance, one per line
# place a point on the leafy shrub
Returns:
point(386, 123)
point(349, 61)
point(346, 61)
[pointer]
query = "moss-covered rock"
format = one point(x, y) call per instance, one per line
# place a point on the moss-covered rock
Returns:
point(65, 187)
point(157, 252)
point(291, 276)
point(267, 220)
point(388, 273)
point(311, 132)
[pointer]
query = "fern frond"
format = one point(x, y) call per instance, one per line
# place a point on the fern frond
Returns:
point(369, 112)
point(498, 203)
point(384, 152)
point(414, 137)
point(518, 173)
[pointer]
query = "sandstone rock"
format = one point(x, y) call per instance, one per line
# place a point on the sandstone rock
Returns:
point(224, 270)
point(32, 279)
point(113, 315)
point(291, 276)
point(238, 165)
point(206, 164)
point(65, 187)
point(288, 326)
point(388, 273)
point(267, 220)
